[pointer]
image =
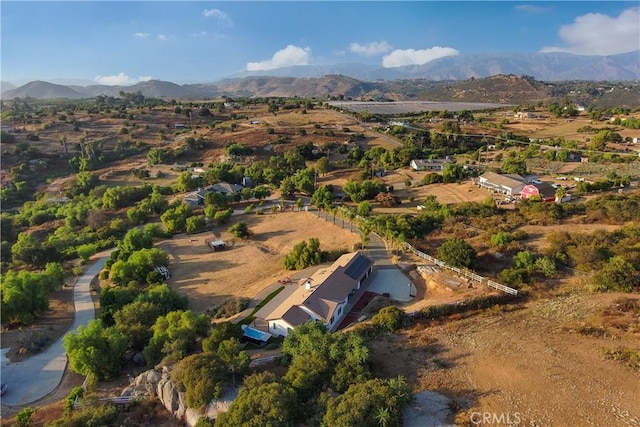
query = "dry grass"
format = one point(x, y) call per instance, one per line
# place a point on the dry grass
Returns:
point(248, 266)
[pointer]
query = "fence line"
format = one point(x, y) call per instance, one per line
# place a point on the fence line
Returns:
point(118, 400)
point(262, 360)
point(463, 272)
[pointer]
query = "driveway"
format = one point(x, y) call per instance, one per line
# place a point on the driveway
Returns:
point(34, 378)
point(387, 278)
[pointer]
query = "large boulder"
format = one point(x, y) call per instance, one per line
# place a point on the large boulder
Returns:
point(170, 397)
point(217, 406)
point(157, 384)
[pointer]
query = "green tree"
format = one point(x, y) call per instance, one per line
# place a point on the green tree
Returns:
point(96, 350)
point(452, 172)
point(374, 397)
point(135, 321)
point(457, 252)
point(175, 335)
point(86, 251)
point(195, 223)
point(524, 260)
point(261, 193)
point(223, 216)
point(617, 275)
point(323, 165)
point(501, 239)
point(240, 230)
point(514, 165)
point(136, 215)
point(165, 298)
point(201, 377)
point(364, 208)
point(322, 197)
point(304, 180)
point(390, 318)
point(236, 360)
point(220, 332)
point(266, 404)
point(304, 255)
point(25, 294)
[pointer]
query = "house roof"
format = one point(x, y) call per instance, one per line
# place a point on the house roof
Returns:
point(545, 190)
point(295, 316)
point(425, 162)
point(225, 187)
point(328, 287)
point(502, 180)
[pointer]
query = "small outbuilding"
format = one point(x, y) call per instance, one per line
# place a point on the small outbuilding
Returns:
point(218, 245)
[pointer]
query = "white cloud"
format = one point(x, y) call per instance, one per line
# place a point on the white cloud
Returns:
point(402, 57)
point(219, 15)
point(370, 49)
point(120, 79)
point(162, 37)
point(141, 35)
point(599, 34)
point(290, 55)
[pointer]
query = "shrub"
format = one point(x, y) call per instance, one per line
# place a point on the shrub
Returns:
point(391, 318)
point(457, 253)
point(240, 230)
point(76, 393)
point(90, 416)
point(23, 419)
point(501, 239)
point(304, 255)
point(230, 307)
point(201, 376)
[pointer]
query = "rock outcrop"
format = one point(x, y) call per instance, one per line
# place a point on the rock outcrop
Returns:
point(157, 384)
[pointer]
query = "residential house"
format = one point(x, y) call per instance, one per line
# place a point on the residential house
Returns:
point(433, 165)
point(544, 190)
point(322, 297)
point(196, 198)
point(509, 184)
point(526, 115)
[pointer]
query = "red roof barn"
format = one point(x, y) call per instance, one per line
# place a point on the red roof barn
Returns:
point(546, 191)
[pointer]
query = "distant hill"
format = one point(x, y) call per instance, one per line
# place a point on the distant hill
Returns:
point(42, 90)
point(318, 87)
point(542, 66)
point(504, 89)
point(5, 86)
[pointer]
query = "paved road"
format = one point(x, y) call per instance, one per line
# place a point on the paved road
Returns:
point(38, 376)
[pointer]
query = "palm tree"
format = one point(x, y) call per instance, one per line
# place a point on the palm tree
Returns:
point(365, 229)
point(561, 192)
point(383, 416)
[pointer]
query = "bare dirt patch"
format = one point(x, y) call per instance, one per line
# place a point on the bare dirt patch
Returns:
point(209, 278)
point(533, 362)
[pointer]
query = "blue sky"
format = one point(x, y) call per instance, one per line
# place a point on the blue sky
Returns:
point(129, 41)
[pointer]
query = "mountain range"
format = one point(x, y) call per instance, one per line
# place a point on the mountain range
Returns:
point(372, 82)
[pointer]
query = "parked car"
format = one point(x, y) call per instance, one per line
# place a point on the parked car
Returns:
point(3, 388)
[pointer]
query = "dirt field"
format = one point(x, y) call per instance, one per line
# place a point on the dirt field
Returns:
point(445, 193)
point(209, 278)
point(537, 363)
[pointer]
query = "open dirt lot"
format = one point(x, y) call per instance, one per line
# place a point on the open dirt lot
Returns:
point(537, 363)
point(209, 278)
